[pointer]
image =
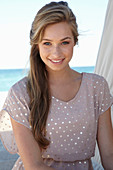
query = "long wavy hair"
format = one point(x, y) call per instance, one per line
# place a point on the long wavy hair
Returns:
point(38, 86)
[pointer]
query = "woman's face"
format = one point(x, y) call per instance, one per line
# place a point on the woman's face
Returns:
point(56, 47)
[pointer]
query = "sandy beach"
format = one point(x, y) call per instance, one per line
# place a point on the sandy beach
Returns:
point(3, 96)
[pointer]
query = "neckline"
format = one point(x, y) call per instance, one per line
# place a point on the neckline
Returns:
point(77, 94)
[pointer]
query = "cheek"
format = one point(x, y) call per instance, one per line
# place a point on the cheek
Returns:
point(69, 51)
point(41, 51)
point(44, 53)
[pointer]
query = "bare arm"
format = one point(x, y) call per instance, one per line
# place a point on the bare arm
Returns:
point(28, 148)
point(105, 140)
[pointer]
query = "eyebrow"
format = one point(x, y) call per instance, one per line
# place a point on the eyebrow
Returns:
point(45, 39)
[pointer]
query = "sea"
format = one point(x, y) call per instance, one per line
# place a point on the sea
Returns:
point(8, 77)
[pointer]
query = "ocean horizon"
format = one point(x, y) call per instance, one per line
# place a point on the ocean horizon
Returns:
point(8, 77)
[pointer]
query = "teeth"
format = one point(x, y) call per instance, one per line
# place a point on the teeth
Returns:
point(56, 61)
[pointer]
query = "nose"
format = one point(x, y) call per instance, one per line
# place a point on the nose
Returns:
point(56, 52)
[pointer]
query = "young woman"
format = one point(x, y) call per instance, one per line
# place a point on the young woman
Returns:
point(57, 113)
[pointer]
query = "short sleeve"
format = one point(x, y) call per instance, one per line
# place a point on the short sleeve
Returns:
point(15, 106)
point(105, 99)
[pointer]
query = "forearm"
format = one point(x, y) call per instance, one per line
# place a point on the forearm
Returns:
point(108, 162)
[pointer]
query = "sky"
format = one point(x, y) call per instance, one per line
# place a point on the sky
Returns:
point(16, 17)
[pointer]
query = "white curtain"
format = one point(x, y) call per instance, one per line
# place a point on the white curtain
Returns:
point(104, 64)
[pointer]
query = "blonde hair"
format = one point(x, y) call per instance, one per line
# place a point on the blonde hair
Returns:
point(38, 86)
point(50, 14)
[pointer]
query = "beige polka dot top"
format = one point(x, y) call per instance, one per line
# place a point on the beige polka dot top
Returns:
point(71, 126)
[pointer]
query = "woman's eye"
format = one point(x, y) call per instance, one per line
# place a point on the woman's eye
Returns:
point(65, 42)
point(47, 43)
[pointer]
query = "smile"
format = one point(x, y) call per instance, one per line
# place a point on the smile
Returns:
point(57, 61)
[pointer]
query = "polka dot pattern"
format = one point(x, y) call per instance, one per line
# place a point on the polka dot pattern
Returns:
point(71, 126)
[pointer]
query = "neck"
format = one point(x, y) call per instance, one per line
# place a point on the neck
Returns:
point(62, 76)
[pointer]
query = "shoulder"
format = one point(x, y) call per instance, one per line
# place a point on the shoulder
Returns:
point(20, 84)
point(95, 82)
point(94, 78)
point(19, 89)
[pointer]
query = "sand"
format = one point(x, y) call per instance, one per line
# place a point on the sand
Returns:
point(3, 96)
